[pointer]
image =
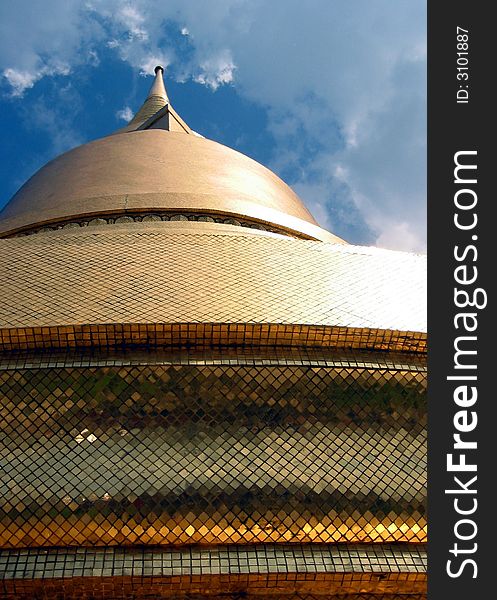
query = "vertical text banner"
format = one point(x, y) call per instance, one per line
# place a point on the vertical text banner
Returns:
point(462, 252)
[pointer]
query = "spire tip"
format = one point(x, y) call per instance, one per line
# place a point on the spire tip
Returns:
point(159, 68)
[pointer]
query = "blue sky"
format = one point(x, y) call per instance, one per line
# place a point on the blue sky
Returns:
point(330, 94)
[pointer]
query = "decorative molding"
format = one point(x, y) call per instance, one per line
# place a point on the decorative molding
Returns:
point(148, 217)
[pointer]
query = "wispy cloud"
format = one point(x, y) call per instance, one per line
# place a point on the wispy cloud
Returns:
point(49, 115)
point(216, 70)
point(20, 81)
point(150, 61)
point(133, 22)
point(125, 114)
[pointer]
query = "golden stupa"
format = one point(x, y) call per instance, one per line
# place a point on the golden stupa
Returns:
point(202, 390)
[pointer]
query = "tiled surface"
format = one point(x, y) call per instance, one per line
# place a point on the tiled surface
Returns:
point(263, 558)
point(73, 282)
point(293, 572)
point(315, 357)
point(208, 335)
point(225, 590)
point(212, 453)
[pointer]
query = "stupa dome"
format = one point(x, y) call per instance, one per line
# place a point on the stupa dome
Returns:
point(245, 250)
point(157, 165)
point(191, 366)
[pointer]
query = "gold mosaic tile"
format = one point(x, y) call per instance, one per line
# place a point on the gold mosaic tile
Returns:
point(212, 454)
point(264, 571)
point(207, 336)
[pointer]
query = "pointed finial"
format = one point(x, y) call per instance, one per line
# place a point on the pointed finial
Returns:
point(158, 88)
point(156, 112)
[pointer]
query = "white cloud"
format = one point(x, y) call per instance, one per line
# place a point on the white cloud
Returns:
point(133, 21)
point(150, 61)
point(384, 168)
point(19, 81)
point(400, 236)
point(44, 41)
point(216, 70)
point(93, 58)
point(125, 114)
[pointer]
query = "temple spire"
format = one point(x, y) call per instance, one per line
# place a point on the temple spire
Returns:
point(158, 88)
point(156, 112)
